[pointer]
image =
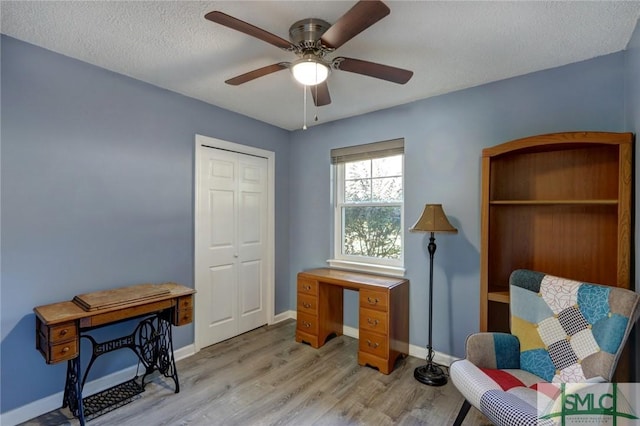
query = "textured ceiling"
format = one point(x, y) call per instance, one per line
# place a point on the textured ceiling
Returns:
point(450, 45)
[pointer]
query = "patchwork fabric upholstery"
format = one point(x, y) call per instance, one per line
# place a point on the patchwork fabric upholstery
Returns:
point(561, 331)
point(572, 331)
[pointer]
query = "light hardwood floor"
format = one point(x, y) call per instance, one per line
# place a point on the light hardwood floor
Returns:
point(265, 378)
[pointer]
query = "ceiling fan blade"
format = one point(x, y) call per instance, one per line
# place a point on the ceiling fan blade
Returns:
point(244, 27)
point(384, 72)
point(320, 93)
point(360, 17)
point(260, 72)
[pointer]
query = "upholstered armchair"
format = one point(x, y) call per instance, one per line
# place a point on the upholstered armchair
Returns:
point(562, 331)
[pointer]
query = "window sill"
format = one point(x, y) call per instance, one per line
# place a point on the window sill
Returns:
point(395, 271)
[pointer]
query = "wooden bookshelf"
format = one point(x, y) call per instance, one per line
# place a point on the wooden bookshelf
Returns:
point(557, 203)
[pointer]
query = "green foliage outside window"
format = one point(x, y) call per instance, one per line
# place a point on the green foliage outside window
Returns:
point(372, 222)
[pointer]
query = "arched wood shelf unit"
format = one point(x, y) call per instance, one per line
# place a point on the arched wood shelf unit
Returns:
point(557, 203)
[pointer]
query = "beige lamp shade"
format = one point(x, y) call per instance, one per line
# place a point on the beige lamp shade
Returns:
point(433, 219)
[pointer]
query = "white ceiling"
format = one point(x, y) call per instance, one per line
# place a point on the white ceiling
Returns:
point(450, 45)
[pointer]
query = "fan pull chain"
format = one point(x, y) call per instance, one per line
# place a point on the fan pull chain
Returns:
point(316, 87)
point(304, 108)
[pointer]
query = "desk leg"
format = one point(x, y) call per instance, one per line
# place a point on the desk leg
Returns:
point(166, 363)
point(156, 348)
point(73, 390)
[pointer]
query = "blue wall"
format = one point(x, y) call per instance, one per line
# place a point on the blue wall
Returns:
point(632, 106)
point(632, 86)
point(97, 186)
point(97, 192)
point(444, 137)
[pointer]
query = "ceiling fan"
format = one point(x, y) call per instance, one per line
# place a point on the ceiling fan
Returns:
point(312, 40)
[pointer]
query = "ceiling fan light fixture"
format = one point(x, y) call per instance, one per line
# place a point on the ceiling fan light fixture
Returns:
point(310, 71)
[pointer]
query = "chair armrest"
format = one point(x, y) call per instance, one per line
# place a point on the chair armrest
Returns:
point(493, 350)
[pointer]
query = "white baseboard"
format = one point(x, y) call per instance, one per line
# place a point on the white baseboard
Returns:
point(284, 316)
point(53, 402)
point(439, 357)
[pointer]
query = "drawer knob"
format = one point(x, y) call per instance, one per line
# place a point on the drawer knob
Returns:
point(373, 322)
point(373, 301)
point(65, 349)
point(306, 287)
point(306, 305)
point(306, 324)
point(63, 332)
point(373, 345)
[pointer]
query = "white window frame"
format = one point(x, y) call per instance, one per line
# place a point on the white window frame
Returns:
point(393, 267)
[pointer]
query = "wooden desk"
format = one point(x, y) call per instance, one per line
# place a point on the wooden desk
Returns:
point(60, 326)
point(383, 313)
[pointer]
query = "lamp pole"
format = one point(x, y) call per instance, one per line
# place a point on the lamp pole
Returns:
point(430, 374)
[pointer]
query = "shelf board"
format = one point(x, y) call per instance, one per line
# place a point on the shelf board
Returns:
point(552, 202)
point(499, 296)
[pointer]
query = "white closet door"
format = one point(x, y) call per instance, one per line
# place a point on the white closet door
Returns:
point(232, 222)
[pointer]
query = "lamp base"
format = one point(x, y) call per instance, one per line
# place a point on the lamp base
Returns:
point(430, 374)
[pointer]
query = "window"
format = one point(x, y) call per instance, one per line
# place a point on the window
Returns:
point(369, 214)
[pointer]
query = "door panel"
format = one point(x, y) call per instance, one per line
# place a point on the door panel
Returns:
point(221, 281)
point(222, 220)
point(252, 305)
point(250, 282)
point(250, 220)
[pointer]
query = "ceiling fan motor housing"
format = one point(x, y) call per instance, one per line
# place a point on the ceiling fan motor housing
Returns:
point(306, 33)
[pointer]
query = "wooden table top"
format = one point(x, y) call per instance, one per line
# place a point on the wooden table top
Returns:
point(105, 301)
point(351, 278)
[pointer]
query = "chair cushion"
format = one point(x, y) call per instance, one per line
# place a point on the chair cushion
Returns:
point(506, 397)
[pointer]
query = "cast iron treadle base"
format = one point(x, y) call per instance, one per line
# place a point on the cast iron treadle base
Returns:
point(110, 399)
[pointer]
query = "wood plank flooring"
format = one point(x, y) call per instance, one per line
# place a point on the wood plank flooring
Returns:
point(265, 378)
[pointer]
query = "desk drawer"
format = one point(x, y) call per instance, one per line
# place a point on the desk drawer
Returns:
point(374, 344)
point(371, 320)
point(374, 300)
point(54, 353)
point(307, 323)
point(64, 351)
point(59, 332)
point(307, 304)
point(185, 302)
point(183, 312)
point(183, 316)
point(307, 286)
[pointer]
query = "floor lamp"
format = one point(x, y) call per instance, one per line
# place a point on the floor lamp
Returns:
point(432, 220)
